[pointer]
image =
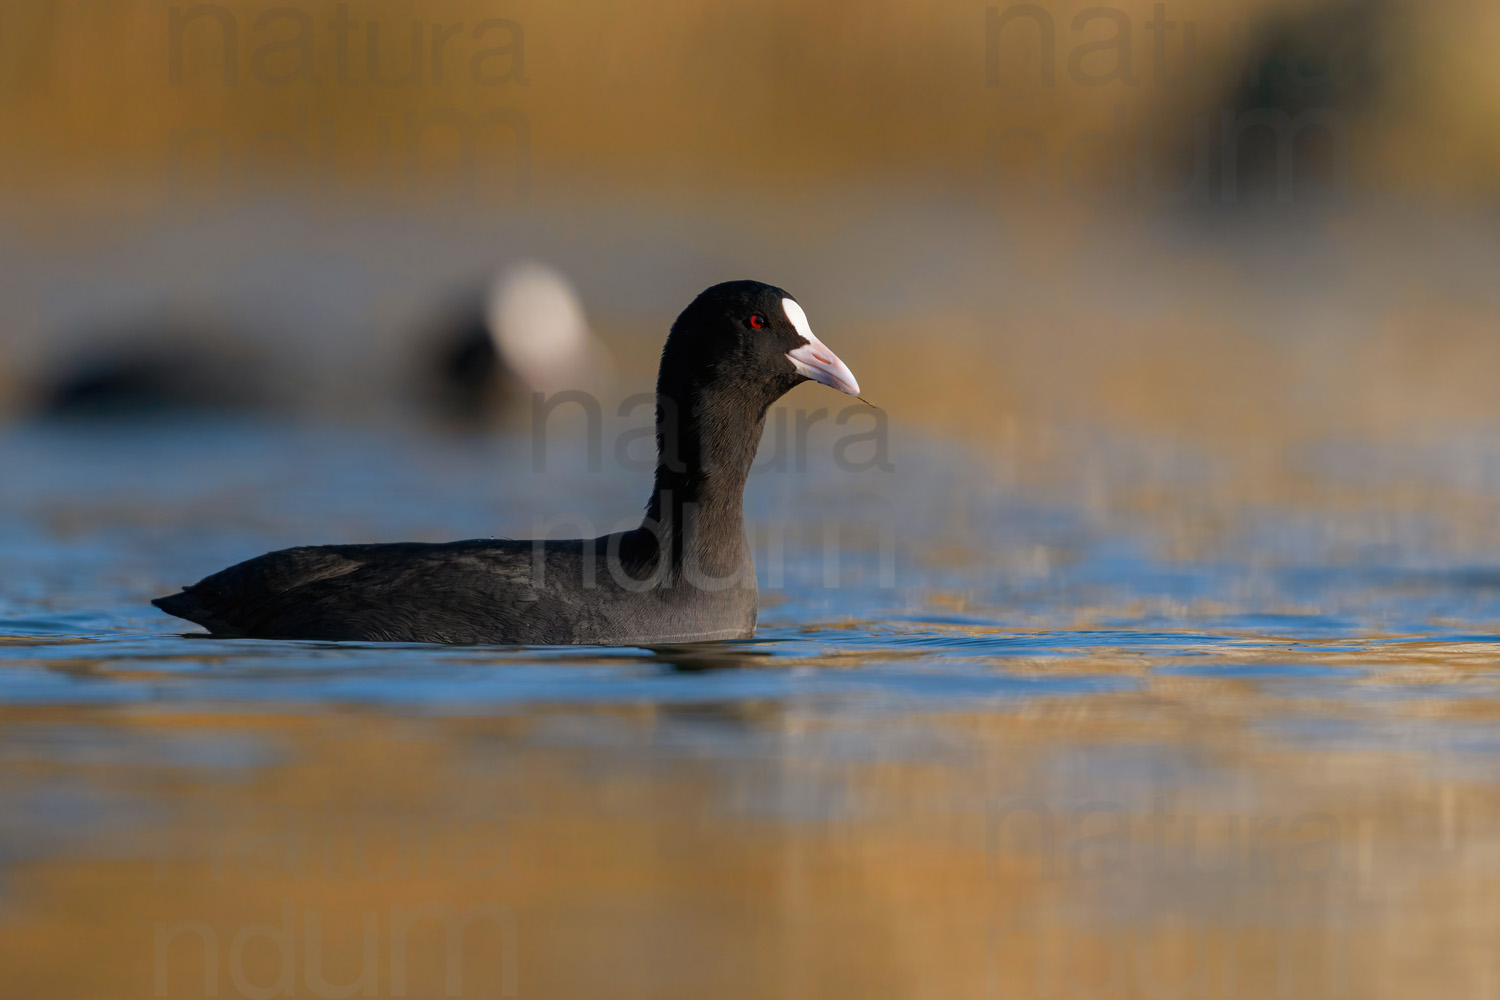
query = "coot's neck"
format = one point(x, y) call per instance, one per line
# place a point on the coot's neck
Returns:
point(706, 438)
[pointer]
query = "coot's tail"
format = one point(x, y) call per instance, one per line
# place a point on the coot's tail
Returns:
point(188, 605)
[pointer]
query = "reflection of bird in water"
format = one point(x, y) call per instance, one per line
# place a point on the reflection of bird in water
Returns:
point(529, 335)
point(149, 373)
point(699, 658)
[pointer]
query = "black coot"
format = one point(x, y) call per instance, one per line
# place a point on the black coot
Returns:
point(153, 371)
point(686, 574)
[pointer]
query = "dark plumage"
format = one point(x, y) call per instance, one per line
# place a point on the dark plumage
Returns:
point(153, 371)
point(686, 574)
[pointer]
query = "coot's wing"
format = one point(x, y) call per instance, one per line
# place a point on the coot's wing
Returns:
point(459, 592)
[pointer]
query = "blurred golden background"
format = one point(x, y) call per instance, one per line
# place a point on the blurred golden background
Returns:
point(700, 98)
point(1044, 187)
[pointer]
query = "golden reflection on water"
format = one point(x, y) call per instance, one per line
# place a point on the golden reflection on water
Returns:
point(1212, 834)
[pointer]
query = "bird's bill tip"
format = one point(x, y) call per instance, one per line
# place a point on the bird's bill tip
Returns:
point(815, 361)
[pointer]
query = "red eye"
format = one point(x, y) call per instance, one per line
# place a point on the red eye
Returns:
point(757, 320)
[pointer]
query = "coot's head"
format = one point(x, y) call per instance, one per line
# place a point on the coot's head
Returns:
point(751, 336)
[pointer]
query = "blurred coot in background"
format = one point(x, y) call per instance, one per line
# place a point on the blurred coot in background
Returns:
point(1308, 72)
point(525, 334)
point(152, 371)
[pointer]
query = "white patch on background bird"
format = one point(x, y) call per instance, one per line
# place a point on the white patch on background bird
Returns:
point(538, 326)
point(799, 319)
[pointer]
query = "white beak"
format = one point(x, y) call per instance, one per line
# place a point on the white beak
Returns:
point(820, 364)
point(813, 359)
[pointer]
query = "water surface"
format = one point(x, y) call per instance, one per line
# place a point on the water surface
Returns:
point(1090, 726)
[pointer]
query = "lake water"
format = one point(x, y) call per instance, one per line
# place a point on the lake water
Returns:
point(1102, 723)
